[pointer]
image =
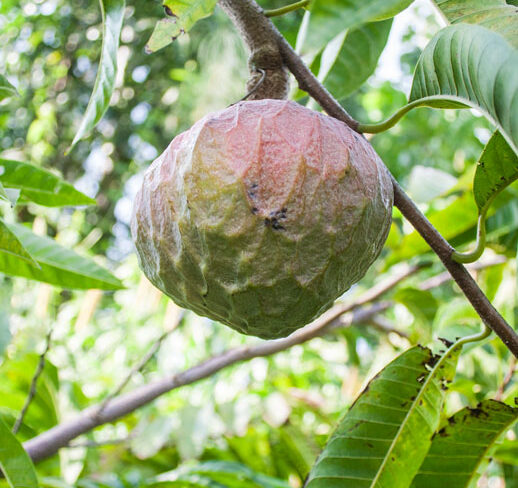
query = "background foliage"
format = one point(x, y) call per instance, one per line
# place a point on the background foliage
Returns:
point(264, 422)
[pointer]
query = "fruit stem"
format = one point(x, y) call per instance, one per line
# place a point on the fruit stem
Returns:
point(288, 8)
point(471, 256)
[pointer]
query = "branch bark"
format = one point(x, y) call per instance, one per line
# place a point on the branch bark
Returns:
point(308, 82)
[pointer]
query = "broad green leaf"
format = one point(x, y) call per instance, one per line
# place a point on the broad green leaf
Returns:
point(350, 58)
point(460, 450)
point(6, 89)
point(384, 437)
point(112, 15)
point(472, 66)
point(496, 169)
point(40, 186)
point(507, 452)
point(495, 15)
point(11, 245)
point(330, 17)
point(15, 464)
point(58, 265)
point(185, 13)
point(217, 474)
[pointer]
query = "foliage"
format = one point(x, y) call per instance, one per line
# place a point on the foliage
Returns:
point(77, 76)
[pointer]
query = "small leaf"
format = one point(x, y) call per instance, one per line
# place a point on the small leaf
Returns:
point(58, 265)
point(3, 194)
point(11, 245)
point(112, 14)
point(14, 461)
point(386, 434)
point(6, 89)
point(496, 169)
point(40, 186)
point(460, 450)
point(186, 13)
point(472, 66)
point(351, 58)
point(330, 17)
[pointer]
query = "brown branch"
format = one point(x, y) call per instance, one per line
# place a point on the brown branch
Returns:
point(49, 442)
point(307, 81)
point(507, 379)
point(34, 383)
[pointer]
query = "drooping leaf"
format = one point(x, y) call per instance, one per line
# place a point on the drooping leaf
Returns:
point(112, 15)
point(495, 15)
point(386, 434)
point(330, 17)
point(40, 186)
point(15, 464)
point(11, 245)
point(496, 169)
point(460, 450)
point(58, 265)
point(217, 474)
point(469, 65)
point(185, 13)
point(352, 57)
point(6, 89)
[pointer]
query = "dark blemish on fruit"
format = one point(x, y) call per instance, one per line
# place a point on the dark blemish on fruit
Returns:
point(274, 218)
point(254, 210)
point(252, 190)
point(169, 12)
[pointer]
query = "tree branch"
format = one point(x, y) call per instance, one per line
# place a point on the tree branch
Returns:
point(308, 82)
point(49, 442)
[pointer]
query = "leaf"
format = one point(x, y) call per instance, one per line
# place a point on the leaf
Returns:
point(217, 474)
point(460, 450)
point(58, 265)
point(386, 434)
point(496, 169)
point(331, 17)
point(11, 245)
point(112, 14)
point(14, 461)
point(40, 186)
point(495, 15)
point(3, 194)
point(186, 13)
point(350, 58)
point(6, 89)
point(472, 66)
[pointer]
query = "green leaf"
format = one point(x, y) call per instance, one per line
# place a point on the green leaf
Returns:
point(112, 14)
point(6, 89)
point(58, 265)
point(40, 186)
point(14, 461)
point(186, 13)
point(495, 15)
point(472, 66)
point(331, 17)
point(384, 437)
point(3, 194)
point(496, 169)
point(460, 450)
point(11, 245)
point(349, 59)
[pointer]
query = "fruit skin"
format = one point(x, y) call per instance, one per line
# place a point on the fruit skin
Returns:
point(261, 215)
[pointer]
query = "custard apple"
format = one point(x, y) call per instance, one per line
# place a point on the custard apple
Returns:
point(261, 215)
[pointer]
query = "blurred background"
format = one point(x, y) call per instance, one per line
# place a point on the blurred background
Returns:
point(271, 414)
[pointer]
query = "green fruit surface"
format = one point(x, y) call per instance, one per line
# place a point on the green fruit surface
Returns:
point(261, 215)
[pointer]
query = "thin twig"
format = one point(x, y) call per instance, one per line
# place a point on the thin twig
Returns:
point(34, 383)
point(286, 9)
point(507, 379)
point(255, 88)
point(49, 442)
point(140, 365)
